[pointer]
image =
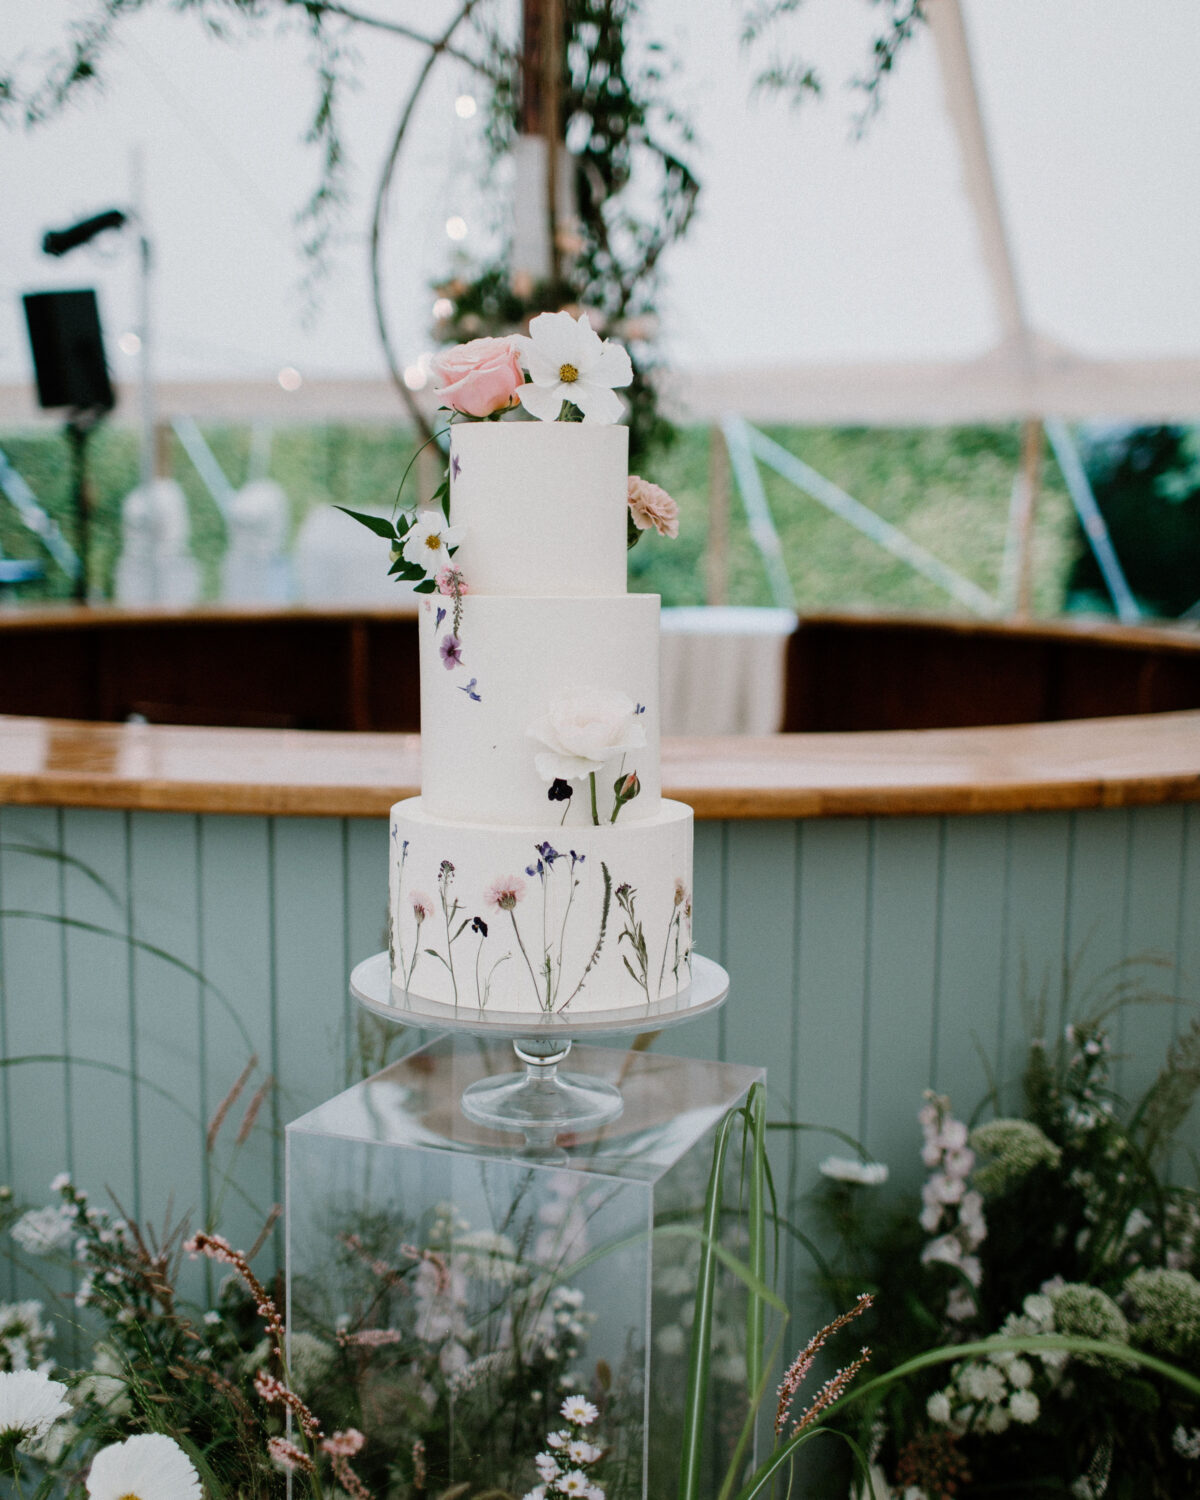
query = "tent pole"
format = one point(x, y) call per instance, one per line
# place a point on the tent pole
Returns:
point(1030, 485)
point(716, 562)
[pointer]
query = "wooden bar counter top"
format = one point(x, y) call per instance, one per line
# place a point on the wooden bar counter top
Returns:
point(1110, 762)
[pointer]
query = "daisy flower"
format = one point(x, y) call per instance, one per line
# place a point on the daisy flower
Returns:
point(30, 1404)
point(148, 1466)
point(429, 540)
point(579, 1411)
point(567, 360)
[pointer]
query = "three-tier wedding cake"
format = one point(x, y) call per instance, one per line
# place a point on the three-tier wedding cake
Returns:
point(540, 870)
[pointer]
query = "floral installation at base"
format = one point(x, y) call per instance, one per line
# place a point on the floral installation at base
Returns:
point(1057, 1223)
point(451, 1354)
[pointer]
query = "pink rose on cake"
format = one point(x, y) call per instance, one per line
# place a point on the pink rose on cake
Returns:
point(650, 505)
point(583, 731)
point(479, 378)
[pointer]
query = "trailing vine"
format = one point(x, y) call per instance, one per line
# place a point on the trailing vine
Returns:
point(608, 86)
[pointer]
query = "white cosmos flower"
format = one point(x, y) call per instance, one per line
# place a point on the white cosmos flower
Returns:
point(584, 731)
point(846, 1169)
point(429, 540)
point(30, 1404)
point(567, 360)
point(149, 1466)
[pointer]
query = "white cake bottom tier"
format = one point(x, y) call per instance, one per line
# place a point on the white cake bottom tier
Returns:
point(541, 918)
point(519, 658)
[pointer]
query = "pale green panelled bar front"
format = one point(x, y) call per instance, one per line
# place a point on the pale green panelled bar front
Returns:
point(145, 956)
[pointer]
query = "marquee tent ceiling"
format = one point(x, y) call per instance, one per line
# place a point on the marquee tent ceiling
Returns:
point(1017, 233)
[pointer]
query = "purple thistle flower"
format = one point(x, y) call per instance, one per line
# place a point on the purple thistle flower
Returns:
point(451, 652)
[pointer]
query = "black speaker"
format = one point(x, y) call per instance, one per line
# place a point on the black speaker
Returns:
point(68, 350)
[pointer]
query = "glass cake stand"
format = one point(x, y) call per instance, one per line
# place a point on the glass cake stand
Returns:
point(541, 1100)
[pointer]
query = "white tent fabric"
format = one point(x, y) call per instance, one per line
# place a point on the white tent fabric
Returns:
point(1042, 263)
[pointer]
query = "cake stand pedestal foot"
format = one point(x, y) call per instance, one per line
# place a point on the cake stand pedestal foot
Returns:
point(541, 1101)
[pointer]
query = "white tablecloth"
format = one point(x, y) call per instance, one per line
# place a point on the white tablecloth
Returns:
point(723, 669)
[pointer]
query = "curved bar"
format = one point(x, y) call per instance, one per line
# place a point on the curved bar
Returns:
point(1114, 762)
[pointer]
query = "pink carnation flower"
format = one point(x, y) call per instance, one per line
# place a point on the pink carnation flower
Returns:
point(479, 378)
point(503, 894)
point(650, 505)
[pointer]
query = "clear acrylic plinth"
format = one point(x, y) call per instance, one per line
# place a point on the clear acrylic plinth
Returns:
point(467, 1286)
point(541, 1100)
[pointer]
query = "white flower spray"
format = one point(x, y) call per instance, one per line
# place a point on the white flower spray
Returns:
point(567, 1465)
point(952, 1212)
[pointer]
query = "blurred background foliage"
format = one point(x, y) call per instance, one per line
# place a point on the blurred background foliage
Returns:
point(947, 487)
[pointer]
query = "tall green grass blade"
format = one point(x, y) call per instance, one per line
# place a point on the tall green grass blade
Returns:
point(142, 947)
point(757, 1231)
point(696, 1396)
point(36, 851)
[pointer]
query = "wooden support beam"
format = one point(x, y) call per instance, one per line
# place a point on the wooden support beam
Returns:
point(716, 559)
point(1029, 483)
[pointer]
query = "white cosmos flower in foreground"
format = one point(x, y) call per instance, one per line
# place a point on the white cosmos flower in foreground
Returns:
point(429, 540)
point(148, 1466)
point(567, 360)
point(30, 1404)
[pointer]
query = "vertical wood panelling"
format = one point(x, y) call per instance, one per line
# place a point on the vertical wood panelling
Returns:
point(971, 934)
point(310, 977)
point(366, 850)
point(901, 985)
point(35, 1000)
point(1187, 963)
point(831, 981)
point(104, 1104)
point(868, 961)
point(1155, 868)
point(1098, 903)
point(167, 1014)
point(1039, 864)
point(235, 959)
point(703, 1039)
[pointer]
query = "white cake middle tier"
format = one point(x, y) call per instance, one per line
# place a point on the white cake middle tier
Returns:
point(510, 663)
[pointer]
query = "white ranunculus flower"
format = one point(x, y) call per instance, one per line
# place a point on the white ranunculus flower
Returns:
point(583, 732)
point(148, 1466)
point(30, 1404)
point(429, 540)
point(567, 360)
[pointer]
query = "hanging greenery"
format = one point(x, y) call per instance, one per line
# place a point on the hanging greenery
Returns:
point(610, 91)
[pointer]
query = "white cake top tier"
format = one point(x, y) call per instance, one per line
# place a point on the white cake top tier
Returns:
point(543, 505)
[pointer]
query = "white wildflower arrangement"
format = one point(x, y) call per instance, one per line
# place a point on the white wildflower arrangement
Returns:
point(1055, 1223)
point(569, 1462)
